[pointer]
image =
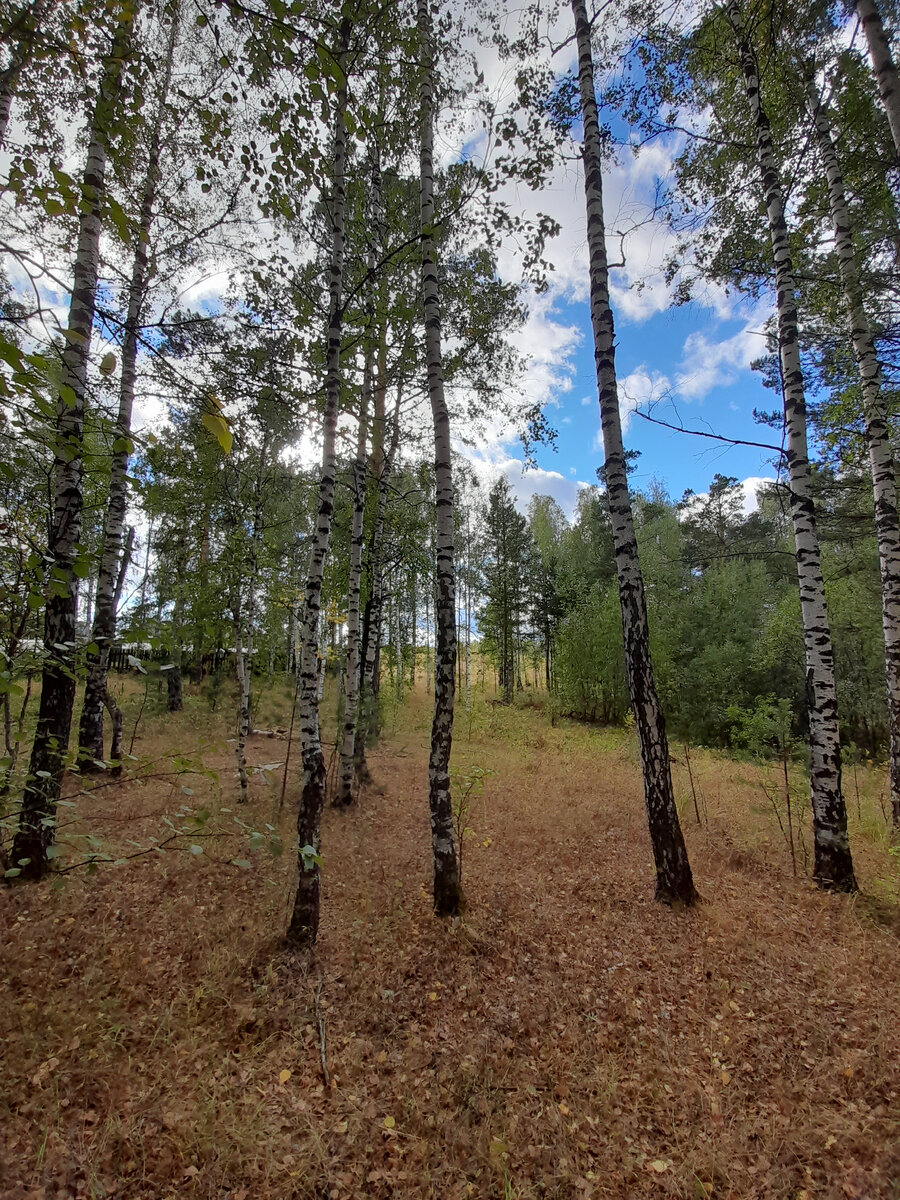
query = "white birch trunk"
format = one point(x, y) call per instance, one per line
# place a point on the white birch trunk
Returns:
point(243, 648)
point(674, 882)
point(304, 923)
point(90, 737)
point(446, 870)
point(51, 740)
point(833, 863)
point(882, 64)
point(878, 434)
point(347, 769)
point(21, 37)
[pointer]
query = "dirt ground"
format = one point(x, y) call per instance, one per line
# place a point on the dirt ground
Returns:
point(567, 1038)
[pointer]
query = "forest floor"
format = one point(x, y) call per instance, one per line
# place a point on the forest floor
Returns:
point(568, 1037)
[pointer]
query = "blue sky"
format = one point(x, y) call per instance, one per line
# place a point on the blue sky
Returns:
point(653, 350)
point(690, 364)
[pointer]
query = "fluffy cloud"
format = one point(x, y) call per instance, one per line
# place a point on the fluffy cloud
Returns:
point(708, 364)
point(525, 483)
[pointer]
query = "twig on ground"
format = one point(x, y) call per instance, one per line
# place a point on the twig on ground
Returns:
point(323, 1051)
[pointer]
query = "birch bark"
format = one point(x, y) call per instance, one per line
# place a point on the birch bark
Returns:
point(90, 737)
point(21, 36)
point(304, 923)
point(447, 896)
point(833, 866)
point(878, 434)
point(382, 465)
point(882, 64)
point(674, 882)
point(243, 648)
point(51, 740)
point(347, 770)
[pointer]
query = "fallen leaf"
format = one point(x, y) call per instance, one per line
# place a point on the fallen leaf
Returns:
point(389, 1122)
point(659, 1165)
point(284, 1076)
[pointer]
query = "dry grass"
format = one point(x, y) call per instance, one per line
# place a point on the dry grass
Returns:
point(568, 1038)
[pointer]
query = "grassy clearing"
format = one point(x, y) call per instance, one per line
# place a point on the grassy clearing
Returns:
point(567, 1038)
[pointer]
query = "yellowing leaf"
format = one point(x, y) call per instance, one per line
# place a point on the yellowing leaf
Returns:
point(218, 427)
point(829, 1141)
point(284, 1076)
point(659, 1165)
point(432, 995)
point(726, 1078)
point(389, 1122)
point(108, 364)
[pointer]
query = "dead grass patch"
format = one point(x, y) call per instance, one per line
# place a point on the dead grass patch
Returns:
point(567, 1038)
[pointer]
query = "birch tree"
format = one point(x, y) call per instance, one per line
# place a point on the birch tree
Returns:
point(877, 428)
point(348, 760)
point(674, 882)
point(90, 738)
point(304, 922)
point(833, 866)
point(446, 889)
point(51, 741)
point(883, 65)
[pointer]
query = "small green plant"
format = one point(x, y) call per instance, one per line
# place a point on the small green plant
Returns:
point(766, 730)
point(466, 785)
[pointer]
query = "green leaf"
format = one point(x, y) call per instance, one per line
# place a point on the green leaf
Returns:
point(195, 849)
point(310, 857)
point(108, 364)
point(242, 862)
point(13, 871)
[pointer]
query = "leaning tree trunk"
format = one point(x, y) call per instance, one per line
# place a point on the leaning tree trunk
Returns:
point(878, 433)
point(90, 737)
point(304, 924)
point(347, 768)
point(882, 64)
point(447, 894)
point(833, 866)
point(51, 740)
point(674, 881)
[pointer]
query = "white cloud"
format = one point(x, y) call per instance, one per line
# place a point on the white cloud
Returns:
point(707, 364)
point(527, 483)
point(640, 387)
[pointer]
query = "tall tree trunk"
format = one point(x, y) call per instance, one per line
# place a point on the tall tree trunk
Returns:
point(347, 768)
point(428, 639)
point(381, 466)
point(243, 647)
point(878, 433)
point(90, 737)
point(21, 37)
point(882, 64)
point(51, 740)
point(447, 894)
point(304, 923)
point(674, 881)
point(833, 862)
point(175, 700)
